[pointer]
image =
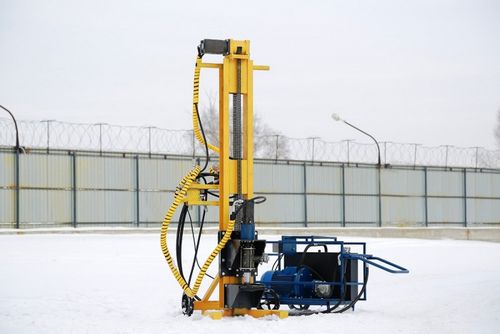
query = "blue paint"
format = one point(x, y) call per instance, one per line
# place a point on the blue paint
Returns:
point(247, 232)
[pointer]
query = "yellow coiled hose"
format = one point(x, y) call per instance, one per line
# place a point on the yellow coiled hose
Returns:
point(196, 93)
point(179, 195)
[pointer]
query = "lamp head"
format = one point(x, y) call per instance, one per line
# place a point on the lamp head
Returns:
point(336, 117)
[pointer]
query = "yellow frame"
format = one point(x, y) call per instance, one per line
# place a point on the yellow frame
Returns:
point(227, 167)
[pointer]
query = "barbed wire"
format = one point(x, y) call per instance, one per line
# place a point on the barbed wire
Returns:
point(51, 134)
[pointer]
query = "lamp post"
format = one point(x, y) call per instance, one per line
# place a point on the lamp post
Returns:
point(338, 119)
point(16, 166)
point(15, 125)
point(379, 197)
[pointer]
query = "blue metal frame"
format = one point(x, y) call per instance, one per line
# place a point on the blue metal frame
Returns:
point(288, 246)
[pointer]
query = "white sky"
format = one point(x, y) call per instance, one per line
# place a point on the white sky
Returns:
point(426, 72)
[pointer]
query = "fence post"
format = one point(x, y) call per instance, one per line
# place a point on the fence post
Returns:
point(277, 147)
point(446, 157)
point(48, 136)
point(73, 189)
point(17, 177)
point(465, 197)
point(305, 194)
point(426, 212)
point(100, 138)
point(149, 141)
point(385, 152)
point(477, 154)
point(347, 142)
point(137, 202)
point(379, 185)
point(415, 156)
point(312, 153)
point(48, 121)
point(343, 194)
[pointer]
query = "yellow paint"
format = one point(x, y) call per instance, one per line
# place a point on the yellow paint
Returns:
point(261, 313)
point(179, 196)
point(204, 186)
point(206, 305)
point(261, 68)
point(190, 190)
point(193, 195)
point(211, 289)
point(215, 315)
point(196, 93)
point(210, 65)
point(203, 203)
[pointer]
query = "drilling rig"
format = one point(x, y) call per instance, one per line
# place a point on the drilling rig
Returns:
point(327, 279)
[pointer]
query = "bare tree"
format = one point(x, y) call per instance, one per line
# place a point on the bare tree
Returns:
point(268, 143)
point(210, 119)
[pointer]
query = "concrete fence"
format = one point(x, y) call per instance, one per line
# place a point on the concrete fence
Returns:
point(60, 188)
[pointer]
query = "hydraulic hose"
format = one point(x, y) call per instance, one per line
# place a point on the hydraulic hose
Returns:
point(179, 196)
point(180, 237)
point(355, 300)
point(196, 94)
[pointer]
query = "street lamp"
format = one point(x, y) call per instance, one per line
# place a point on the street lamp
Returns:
point(18, 150)
point(15, 125)
point(337, 118)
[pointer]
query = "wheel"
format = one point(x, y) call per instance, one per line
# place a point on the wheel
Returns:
point(269, 301)
point(187, 305)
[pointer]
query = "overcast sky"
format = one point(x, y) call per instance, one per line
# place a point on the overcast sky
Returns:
point(423, 72)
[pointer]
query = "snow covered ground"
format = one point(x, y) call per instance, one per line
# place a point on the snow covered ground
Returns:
point(121, 284)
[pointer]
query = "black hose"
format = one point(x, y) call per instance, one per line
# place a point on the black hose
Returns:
point(355, 300)
point(196, 245)
point(342, 298)
point(303, 257)
point(276, 263)
point(256, 200)
point(207, 156)
point(179, 237)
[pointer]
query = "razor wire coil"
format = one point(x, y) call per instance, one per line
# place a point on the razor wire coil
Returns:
point(51, 134)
